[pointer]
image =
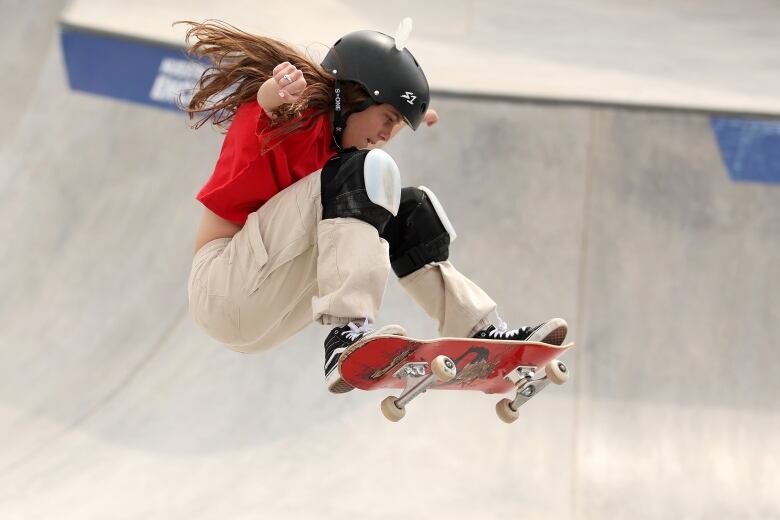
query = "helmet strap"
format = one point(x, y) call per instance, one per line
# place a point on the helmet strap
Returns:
point(340, 118)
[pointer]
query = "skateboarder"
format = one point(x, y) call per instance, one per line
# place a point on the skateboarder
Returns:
point(304, 215)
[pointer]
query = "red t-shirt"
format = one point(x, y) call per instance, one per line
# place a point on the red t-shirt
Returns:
point(244, 179)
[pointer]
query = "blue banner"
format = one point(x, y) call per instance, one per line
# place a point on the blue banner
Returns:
point(129, 69)
point(750, 148)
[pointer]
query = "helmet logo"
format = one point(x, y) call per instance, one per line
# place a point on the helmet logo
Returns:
point(409, 97)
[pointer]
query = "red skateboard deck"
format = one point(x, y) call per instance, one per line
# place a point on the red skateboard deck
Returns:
point(481, 364)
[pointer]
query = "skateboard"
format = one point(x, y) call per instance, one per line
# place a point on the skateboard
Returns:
point(491, 366)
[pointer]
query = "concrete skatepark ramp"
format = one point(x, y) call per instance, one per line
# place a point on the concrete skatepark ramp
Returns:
point(623, 221)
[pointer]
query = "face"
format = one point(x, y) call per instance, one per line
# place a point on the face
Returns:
point(372, 127)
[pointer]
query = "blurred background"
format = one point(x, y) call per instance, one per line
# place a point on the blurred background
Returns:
point(613, 163)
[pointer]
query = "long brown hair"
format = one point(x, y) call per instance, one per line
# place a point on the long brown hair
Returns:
point(239, 63)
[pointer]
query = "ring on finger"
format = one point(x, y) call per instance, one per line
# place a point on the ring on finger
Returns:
point(287, 77)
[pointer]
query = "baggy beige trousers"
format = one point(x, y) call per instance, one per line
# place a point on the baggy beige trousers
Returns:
point(286, 268)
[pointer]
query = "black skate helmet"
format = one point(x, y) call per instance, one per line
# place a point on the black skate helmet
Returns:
point(389, 75)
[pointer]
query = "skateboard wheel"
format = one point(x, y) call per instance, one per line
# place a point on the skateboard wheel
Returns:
point(391, 411)
point(443, 368)
point(505, 412)
point(557, 372)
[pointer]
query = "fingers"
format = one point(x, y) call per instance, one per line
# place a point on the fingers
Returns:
point(291, 78)
point(290, 81)
point(431, 117)
point(280, 67)
point(282, 71)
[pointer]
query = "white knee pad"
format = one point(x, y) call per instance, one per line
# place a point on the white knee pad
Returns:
point(383, 180)
point(445, 221)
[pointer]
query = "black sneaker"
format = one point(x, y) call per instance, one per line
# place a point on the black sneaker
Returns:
point(337, 342)
point(552, 332)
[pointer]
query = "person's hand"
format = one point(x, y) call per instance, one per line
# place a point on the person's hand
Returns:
point(431, 117)
point(290, 81)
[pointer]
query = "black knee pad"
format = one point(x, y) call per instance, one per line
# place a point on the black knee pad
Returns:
point(361, 184)
point(420, 234)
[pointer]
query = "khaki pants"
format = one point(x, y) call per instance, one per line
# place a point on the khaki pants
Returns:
point(287, 268)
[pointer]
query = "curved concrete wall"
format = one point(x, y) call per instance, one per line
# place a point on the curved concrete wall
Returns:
point(625, 222)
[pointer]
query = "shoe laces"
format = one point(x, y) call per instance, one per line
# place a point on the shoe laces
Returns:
point(355, 331)
point(502, 330)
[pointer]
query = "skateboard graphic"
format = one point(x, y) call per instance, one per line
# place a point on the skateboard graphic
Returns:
point(492, 366)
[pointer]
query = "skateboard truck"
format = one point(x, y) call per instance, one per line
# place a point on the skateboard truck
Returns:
point(527, 387)
point(411, 370)
point(442, 369)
